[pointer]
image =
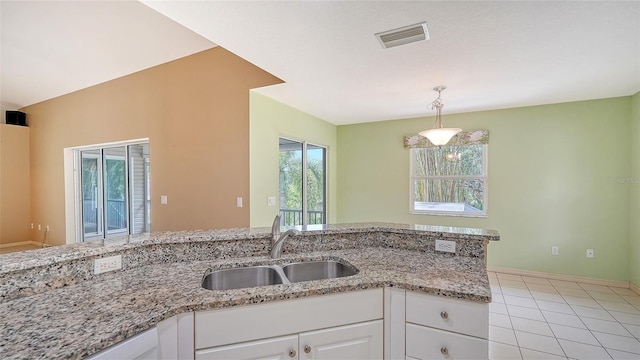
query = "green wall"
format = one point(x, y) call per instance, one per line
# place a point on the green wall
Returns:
point(552, 172)
point(634, 183)
point(270, 120)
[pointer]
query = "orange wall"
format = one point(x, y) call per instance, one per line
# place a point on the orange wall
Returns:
point(195, 112)
point(14, 184)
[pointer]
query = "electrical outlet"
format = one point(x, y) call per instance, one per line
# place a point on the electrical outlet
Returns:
point(554, 250)
point(110, 263)
point(271, 201)
point(589, 253)
point(446, 246)
point(239, 201)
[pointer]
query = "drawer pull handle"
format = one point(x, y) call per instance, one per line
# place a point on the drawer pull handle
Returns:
point(444, 351)
point(292, 353)
point(307, 349)
point(444, 315)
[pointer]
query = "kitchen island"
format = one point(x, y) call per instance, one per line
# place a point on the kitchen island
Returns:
point(55, 306)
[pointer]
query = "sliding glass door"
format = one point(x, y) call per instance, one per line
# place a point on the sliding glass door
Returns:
point(316, 184)
point(139, 189)
point(114, 191)
point(91, 193)
point(302, 183)
point(115, 188)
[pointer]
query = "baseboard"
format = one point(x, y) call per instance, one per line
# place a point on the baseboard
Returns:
point(635, 288)
point(585, 280)
point(21, 243)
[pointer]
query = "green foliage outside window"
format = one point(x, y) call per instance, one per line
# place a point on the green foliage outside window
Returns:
point(449, 174)
point(291, 181)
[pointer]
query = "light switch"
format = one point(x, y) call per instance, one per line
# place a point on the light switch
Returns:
point(271, 201)
point(239, 201)
point(163, 199)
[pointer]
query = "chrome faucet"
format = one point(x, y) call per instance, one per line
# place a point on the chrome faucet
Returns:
point(277, 239)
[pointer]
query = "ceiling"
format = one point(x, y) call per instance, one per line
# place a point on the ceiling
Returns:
point(490, 54)
point(51, 48)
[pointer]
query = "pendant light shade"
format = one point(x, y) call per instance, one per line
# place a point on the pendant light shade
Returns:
point(439, 135)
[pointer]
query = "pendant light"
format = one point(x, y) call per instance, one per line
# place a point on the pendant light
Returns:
point(439, 135)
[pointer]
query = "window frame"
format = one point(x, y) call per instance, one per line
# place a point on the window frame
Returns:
point(484, 177)
point(125, 159)
point(102, 157)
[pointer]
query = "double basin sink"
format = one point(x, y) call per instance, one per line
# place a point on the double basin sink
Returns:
point(263, 275)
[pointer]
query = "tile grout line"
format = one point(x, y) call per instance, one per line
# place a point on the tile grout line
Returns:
point(516, 336)
point(510, 322)
point(590, 331)
point(589, 296)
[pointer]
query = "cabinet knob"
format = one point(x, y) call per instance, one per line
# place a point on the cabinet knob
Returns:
point(307, 349)
point(444, 351)
point(292, 353)
point(444, 315)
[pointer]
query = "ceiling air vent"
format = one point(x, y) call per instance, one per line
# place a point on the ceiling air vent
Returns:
point(403, 35)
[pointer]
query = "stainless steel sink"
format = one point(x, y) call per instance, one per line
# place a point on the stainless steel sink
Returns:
point(263, 275)
point(238, 278)
point(316, 270)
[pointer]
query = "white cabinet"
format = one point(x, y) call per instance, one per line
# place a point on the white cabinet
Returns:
point(140, 347)
point(461, 316)
point(160, 342)
point(345, 325)
point(394, 323)
point(443, 328)
point(428, 343)
point(357, 341)
point(280, 348)
point(370, 324)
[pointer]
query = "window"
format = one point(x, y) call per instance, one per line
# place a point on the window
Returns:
point(302, 183)
point(113, 191)
point(449, 180)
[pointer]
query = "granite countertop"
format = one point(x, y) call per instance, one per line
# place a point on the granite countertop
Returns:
point(28, 259)
point(80, 319)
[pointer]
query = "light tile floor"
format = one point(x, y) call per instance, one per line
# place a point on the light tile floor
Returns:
point(538, 318)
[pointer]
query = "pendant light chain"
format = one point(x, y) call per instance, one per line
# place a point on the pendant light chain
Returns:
point(439, 135)
point(437, 105)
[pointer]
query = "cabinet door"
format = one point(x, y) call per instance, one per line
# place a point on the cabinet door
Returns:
point(141, 346)
point(157, 343)
point(428, 343)
point(282, 348)
point(358, 341)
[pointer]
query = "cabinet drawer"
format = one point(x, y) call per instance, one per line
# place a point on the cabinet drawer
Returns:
point(428, 343)
point(464, 317)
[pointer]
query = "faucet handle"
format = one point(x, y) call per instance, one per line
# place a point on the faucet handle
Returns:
point(275, 229)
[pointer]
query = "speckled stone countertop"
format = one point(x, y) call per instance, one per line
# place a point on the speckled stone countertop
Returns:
point(82, 317)
point(56, 254)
